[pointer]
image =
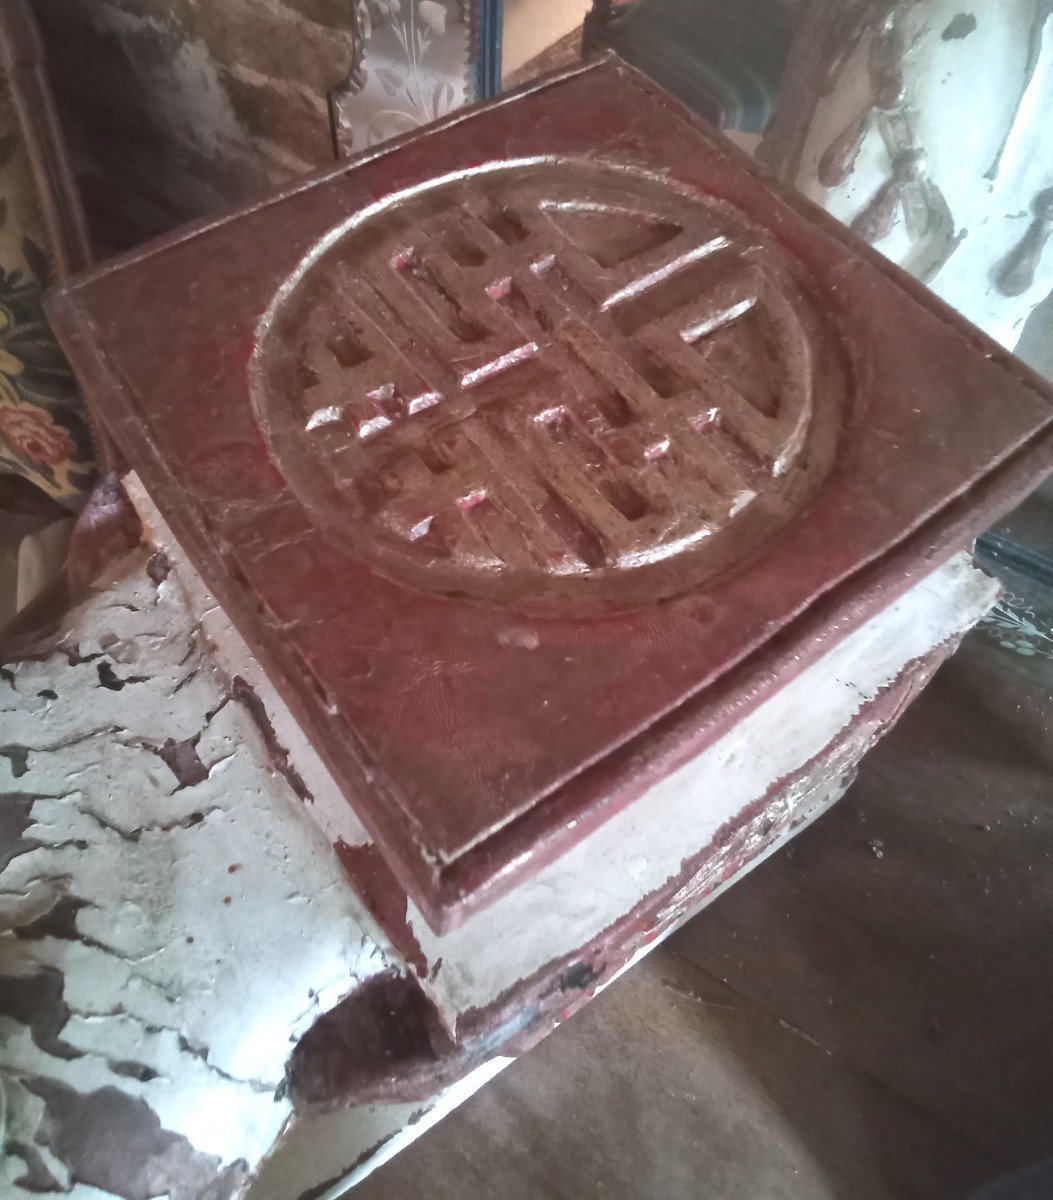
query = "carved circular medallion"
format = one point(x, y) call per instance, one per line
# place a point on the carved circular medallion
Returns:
point(560, 385)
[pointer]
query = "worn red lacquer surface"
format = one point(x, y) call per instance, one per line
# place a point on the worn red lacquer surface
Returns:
point(518, 464)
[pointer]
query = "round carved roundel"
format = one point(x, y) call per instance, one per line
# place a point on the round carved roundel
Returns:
point(564, 386)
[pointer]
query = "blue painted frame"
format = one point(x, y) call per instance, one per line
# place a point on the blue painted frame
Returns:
point(490, 20)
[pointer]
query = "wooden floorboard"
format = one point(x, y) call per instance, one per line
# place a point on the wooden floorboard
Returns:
point(866, 1016)
point(928, 968)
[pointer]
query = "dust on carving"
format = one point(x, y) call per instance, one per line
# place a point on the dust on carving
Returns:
point(116, 1143)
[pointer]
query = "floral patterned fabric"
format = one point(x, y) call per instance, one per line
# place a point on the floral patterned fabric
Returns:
point(44, 435)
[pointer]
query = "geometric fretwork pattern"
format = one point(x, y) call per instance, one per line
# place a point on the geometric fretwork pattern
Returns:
point(556, 385)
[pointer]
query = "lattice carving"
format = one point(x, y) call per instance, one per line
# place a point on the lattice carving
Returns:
point(561, 385)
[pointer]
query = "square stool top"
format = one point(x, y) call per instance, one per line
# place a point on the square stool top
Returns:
point(530, 451)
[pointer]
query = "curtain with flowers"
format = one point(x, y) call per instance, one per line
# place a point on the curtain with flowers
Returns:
point(44, 436)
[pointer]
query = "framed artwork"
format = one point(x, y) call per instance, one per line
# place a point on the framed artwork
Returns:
point(414, 62)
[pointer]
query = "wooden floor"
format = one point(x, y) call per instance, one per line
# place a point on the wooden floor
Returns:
point(869, 1015)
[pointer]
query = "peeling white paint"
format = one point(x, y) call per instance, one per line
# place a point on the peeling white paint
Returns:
point(202, 974)
point(572, 901)
point(329, 808)
point(202, 977)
